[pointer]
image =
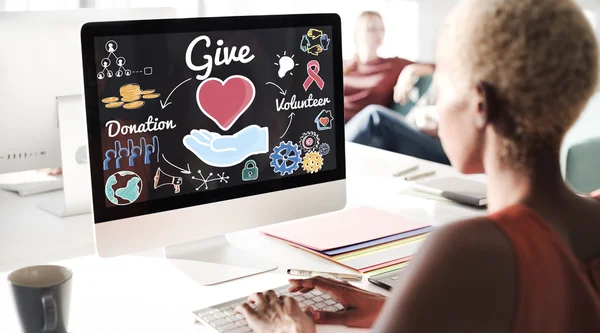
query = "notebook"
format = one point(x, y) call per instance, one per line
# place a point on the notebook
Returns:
point(459, 190)
point(341, 229)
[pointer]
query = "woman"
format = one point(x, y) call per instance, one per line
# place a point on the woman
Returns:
point(533, 264)
point(370, 79)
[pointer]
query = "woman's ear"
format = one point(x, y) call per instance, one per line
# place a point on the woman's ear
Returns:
point(487, 104)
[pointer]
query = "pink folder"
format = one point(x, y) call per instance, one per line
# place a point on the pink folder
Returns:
point(344, 228)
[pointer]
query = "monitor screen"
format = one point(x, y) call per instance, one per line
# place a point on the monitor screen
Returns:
point(184, 113)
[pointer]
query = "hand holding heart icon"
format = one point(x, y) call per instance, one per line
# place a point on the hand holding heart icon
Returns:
point(224, 102)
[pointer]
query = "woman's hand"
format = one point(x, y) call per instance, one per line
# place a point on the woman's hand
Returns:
point(361, 308)
point(275, 314)
point(405, 84)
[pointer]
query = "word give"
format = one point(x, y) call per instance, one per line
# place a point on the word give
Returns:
point(131, 152)
point(227, 56)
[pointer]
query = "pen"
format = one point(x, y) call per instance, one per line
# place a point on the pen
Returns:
point(405, 171)
point(420, 175)
point(339, 276)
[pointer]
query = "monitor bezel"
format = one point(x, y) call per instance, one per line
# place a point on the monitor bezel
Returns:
point(90, 31)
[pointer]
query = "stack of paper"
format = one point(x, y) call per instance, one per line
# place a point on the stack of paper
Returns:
point(364, 239)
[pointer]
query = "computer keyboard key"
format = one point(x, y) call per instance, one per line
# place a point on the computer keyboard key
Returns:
point(228, 327)
point(209, 318)
point(339, 306)
point(232, 318)
point(229, 312)
point(321, 305)
point(241, 316)
point(308, 302)
point(299, 298)
point(244, 329)
point(225, 308)
point(325, 296)
point(331, 309)
point(330, 302)
point(219, 315)
point(317, 292)
point(318, 299)
point(213, 311)
point(219, 322)
point(241, 322)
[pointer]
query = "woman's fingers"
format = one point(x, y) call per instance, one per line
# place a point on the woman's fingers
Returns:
point(272, 298)
point(246, 310)
point(259, 299)
point(331, 287)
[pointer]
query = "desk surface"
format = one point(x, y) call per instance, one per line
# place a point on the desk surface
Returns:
point(144, 293)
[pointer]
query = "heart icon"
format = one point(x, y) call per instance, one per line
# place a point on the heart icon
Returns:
point(324, 121)
point(225, 101)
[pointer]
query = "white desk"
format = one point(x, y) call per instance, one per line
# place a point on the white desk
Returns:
point(144, 293)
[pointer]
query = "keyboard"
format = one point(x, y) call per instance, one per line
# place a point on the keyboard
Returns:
point(30, 182)
point(223, 319)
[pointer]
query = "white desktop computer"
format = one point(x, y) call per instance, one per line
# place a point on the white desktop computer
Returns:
point(238, 126)
point(41, 104)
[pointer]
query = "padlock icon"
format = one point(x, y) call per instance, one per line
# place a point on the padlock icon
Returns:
point(250, 171)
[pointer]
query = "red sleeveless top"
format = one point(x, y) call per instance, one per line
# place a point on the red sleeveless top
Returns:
point(556, 293)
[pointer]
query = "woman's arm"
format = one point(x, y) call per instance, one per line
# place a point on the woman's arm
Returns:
point(464, 280)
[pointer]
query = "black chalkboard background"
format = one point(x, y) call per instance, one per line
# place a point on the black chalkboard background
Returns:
point(166, 55)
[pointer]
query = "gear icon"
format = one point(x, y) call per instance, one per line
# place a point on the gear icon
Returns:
point(309, 141)
point(324, 149)
point(312, 162)
point(286, 158)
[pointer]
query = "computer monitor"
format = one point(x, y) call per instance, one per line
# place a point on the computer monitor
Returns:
point(239, 126)
point(41, 66)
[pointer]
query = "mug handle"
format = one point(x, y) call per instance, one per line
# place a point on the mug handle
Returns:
point(50, 313)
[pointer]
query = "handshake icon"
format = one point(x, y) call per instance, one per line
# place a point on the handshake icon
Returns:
point(314, 42)
point(227, 150)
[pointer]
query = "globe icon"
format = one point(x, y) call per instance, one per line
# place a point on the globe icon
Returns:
point(123, 188)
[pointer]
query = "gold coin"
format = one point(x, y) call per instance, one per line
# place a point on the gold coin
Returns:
point(134, 105)
point(130, 88)
point(148, 91)
point(151, 96)
point(110, 99)
point(128, 99)
point(114, 105)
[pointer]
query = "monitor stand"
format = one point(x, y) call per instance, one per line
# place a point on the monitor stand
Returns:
point(214, 260)
point(76, 175)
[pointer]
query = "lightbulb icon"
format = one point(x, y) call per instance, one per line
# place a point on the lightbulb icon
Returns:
point(286, 64)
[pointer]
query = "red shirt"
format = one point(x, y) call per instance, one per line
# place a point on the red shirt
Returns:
point(370, 83)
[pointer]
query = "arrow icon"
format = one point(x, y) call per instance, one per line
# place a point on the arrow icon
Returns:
point(281, 91)
point(166, 102)
point(183, 171)
point(291, 116)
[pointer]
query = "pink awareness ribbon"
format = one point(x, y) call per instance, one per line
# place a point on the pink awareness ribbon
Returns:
point(312, 69)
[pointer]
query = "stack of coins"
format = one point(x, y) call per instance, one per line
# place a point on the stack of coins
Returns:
point(130, 92)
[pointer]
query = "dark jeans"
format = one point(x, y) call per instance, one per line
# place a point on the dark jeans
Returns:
point(380, 127)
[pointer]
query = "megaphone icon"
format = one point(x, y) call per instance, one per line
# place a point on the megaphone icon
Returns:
point(161, 179)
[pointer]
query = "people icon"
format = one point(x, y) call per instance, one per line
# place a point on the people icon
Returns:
point(121, 61)
point(100, 76)
point(119, 73)
point(127, 72)
point(105, 62)
point(109, 74)
point(111, 46)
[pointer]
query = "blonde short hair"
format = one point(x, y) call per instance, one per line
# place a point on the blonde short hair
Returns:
point(541, 59)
